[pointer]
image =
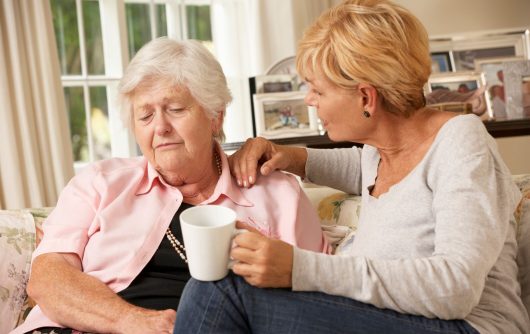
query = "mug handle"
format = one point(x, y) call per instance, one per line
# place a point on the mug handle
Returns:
point(237, 232)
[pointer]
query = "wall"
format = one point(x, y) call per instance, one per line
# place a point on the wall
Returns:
point(452, 17)
point(444, 17)
point(441, 18)
point(516, 153)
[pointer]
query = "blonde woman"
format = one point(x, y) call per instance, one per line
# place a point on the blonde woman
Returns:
point(435, 246)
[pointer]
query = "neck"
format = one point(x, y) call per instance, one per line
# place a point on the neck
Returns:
point(195, 193)
point(399, 136)
point(202, 186)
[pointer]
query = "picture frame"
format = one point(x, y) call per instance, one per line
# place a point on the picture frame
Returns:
point(274, 83)
point(269, 83)
point(442, 61)
point(284, 115)
point(466, 88)
point(493, 72)
point(517, 89)
point(465, 48)
point(491, 67)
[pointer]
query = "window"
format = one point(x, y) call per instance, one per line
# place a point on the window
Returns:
point(78, 34)
point(92, 61)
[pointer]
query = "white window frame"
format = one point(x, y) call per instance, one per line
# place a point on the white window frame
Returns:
point(116, 58)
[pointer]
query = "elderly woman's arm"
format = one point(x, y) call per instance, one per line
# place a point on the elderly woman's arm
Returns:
point(80, 301)
point(66, 294)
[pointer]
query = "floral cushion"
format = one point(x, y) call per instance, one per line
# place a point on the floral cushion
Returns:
point(17, 242)
point(338, 212)
point(20, 233)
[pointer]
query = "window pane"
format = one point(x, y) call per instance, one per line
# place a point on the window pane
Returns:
point(138, 26)
point(93, 37)
point(66, 35)
point(199, 26)
point(161, 20)
point(99, 119)
point(77, 119)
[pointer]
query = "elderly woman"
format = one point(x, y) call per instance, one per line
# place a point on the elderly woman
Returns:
point(112, 258)
point(435, 246)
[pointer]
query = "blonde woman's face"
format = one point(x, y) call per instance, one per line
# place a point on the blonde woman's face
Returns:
point(172, 129)
point(340, 110)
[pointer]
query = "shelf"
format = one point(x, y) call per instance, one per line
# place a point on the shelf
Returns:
point(497, 129)
point(509, 128)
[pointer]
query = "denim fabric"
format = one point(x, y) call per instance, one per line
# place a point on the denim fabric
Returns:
point(233, 306)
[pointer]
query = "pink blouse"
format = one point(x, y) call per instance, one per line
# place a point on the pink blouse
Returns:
point(114, 215)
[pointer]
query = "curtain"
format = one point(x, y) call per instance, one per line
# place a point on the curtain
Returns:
point(276, 26)
point(250, 36)
point(35, 149)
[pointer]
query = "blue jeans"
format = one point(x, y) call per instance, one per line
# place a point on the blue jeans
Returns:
point(233, 306)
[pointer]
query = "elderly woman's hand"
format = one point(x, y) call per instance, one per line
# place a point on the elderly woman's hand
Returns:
point(142, 320)
point(244, 162)
point(263, 262)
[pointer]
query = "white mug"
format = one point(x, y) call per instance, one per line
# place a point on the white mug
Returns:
point(208, 231)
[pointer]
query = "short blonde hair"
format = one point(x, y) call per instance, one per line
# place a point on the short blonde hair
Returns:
point(183, 63)
point(370, 41)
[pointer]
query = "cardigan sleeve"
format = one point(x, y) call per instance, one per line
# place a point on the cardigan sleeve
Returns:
point(336, 168)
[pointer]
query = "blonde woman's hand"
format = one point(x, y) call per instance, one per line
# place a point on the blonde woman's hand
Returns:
point(263, 262)
point(244, 162)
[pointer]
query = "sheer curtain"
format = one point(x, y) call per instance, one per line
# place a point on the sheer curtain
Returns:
point(250, 36)
point(35, 149)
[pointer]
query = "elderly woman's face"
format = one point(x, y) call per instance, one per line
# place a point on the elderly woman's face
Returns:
point(172, 129)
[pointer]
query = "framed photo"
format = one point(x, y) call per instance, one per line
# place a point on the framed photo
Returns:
point(466, 48)
point(466, 88)
point(493, 71)
point(442, 61)
point(283, 115)
point(492, 68)
point(517, 88)
point(271, 83)
point(274, 83)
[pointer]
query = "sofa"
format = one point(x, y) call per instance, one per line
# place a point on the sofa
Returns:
point(20, 232)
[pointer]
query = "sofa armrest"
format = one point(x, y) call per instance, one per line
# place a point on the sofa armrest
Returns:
point(17, 243)
point(522, 217)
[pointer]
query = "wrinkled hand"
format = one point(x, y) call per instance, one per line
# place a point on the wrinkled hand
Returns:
point(263, 262)
point(148, 321)
point(244, 162)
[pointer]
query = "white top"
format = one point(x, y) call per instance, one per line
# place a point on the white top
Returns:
point(440, 243)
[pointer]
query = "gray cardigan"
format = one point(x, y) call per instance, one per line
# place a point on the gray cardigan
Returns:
point(440, 243)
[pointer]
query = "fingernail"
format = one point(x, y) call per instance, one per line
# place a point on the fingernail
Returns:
point(251, 180)
point(245, 184)
point(239, 182)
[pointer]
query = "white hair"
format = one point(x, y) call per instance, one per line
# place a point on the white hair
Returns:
point(187, 63)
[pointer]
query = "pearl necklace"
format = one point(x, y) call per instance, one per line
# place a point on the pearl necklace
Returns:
point(179, 248)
